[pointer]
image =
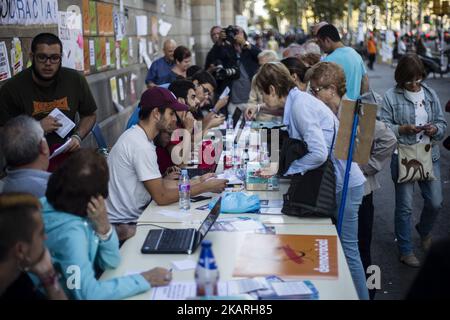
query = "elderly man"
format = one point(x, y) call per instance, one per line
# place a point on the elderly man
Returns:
point(160, 71)
point(26, 152)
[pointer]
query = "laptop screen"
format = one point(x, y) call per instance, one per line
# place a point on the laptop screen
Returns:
point(209, 220)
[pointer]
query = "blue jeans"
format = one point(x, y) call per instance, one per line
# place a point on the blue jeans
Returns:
point(349, 238)
point(432, 196)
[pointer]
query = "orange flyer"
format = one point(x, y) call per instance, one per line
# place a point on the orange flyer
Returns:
point(304, 256)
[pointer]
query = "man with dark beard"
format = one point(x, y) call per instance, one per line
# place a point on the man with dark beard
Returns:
point(47, 85)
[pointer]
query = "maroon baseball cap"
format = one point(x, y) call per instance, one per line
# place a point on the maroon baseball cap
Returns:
point(157, 97)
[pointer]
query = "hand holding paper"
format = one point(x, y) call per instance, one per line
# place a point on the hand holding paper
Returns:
point(66, 124)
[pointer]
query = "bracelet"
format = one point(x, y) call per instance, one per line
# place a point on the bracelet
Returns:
point(76, 136)
point(213, 111)
point(106, 236)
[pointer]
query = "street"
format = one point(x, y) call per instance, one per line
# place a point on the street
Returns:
point(395, 276)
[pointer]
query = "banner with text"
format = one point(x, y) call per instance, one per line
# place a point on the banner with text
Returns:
point(28, 12)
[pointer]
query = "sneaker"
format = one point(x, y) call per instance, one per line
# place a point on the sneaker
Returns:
point(410, 260)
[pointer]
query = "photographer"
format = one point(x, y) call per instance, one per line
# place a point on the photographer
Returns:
point(236, 62)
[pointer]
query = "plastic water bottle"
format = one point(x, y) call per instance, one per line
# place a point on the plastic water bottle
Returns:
point(230, 122)
point(206, 272)
point(264, 157)
point(230, 130)
point(244, 161)
point(184, 191)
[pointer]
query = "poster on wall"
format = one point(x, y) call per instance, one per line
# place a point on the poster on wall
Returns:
point(87, 66)
point(92, 18)
point(141, 26)
point(71, 34)
point(86, 18)
point(28, 12)
point(5, 71)
point(112, 48)
point(105, 19)
point(108, 53)
point(120, 24)
point(16, 56)
point(164, 28)
point(114, 92)
point(124, 52)
point(92, 52)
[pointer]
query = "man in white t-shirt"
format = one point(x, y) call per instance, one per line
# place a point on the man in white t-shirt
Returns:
point(135, 178)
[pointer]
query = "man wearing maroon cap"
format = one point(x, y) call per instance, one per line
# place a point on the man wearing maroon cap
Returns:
point(135, 178)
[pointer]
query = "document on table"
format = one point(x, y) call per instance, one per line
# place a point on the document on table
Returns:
point(175, 291)
point(235, 287)
point(183, 265)
point(66, 124)
point(270, 211)
point(232, 178)
point(236, 224)
point(186, 289)
point(60, 149)
point(290, 288)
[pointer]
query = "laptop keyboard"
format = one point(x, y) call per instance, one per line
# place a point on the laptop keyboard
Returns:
point(170, 239)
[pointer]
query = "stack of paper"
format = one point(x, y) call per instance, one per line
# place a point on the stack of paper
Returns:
point(188, 289)
point(277, 289)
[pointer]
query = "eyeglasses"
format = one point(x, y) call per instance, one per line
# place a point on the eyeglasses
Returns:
point(410, 83)
point(315, 90)
point(42, 58)
point(205, 90)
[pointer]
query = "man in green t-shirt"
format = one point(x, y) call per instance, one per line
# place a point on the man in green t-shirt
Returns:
point(47, 85)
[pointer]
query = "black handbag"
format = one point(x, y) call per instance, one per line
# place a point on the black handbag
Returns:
point(312, 194)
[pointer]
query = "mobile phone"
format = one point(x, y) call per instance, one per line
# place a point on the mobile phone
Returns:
point(225, 93)
point(199, 198)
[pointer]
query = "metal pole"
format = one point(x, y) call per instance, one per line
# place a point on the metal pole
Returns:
point(218, 16)
point(348, 167)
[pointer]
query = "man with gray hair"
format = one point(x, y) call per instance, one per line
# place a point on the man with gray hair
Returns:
point(26, 153)
point(255, 97)
point(160, 70)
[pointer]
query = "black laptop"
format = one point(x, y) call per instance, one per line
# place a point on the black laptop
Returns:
point(180, 240)
point(194, 172)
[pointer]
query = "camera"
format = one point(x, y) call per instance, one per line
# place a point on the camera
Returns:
point(230, 33)
point(222, 73)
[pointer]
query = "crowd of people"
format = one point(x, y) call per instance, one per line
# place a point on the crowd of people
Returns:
point(77, 210)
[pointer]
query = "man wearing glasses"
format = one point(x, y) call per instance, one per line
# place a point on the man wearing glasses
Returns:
point(45, 86)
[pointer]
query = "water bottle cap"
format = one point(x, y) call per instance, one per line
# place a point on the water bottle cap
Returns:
point(206, 243)
point(184, 171)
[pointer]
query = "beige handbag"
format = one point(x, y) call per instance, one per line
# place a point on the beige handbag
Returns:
point(415, 163)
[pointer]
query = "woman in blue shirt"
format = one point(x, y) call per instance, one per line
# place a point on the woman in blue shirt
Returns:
point(79, 235)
